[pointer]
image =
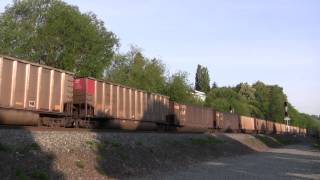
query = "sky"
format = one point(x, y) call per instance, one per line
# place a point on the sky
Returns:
point(274, 41)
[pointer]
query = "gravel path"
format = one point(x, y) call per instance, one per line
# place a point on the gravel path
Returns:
point(290, 162)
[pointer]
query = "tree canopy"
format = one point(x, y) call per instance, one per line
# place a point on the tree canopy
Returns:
point(179, 90)
point(149, 74)
point(133, 69)
point(202, 80)
point(54, 33)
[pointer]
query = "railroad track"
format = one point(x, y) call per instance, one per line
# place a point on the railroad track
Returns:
point(63, 129)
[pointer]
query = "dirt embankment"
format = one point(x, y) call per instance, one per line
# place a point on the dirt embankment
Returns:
point(103, 155)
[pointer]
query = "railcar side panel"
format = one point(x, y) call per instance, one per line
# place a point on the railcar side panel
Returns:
point(247, 123)
point(270, 127)
point(32, 88)
point(283, 128)
point(227, 121)
point(277, 128)
point(261, 125)
point(192, 117)
point(121, 106)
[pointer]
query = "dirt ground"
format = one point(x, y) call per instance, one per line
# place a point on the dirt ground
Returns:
point(29, 154)
point(284, 163)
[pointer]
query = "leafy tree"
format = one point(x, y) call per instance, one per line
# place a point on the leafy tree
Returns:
point(262, 96)
point(118, 72)
point(276, 106)
point(178, 88)
point(133, 69)
point(296, 118)
point(247, 91)
point(222, 98)
point(54, 33)
point(202, 80)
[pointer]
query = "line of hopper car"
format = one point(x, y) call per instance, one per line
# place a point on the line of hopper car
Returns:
point(34, 94)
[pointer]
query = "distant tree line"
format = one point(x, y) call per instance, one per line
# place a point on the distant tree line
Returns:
point(258, 100)
point(57, 34)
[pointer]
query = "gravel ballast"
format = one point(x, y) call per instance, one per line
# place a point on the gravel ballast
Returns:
point(73, 154)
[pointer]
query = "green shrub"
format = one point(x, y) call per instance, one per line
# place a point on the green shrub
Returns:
point(5, 148)
point(21, 175)
point(39, 174)
point(80, 164)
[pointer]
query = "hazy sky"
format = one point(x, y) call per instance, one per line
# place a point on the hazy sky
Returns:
point(275, 41)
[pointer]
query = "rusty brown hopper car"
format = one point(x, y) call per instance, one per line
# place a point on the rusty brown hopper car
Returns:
point(283, 128)
point(261, 125)
point(227, 122)
point(302, 131)
point(292, 130)
point(277, 127)
point(295, 130)
point(29, 91)
point(270, 127)
point(289, 129)
point(247, 124)
point(118, 106)
point(192, 117)
point(299, 130)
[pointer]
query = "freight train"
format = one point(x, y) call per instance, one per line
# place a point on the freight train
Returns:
point(39, 95)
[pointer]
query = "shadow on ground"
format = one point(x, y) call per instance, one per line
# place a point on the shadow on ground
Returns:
point(124, 155)
point(139, 154)
point(104, 154)
point(21, 157)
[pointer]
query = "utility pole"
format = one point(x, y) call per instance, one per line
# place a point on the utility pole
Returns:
point(286, 115)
